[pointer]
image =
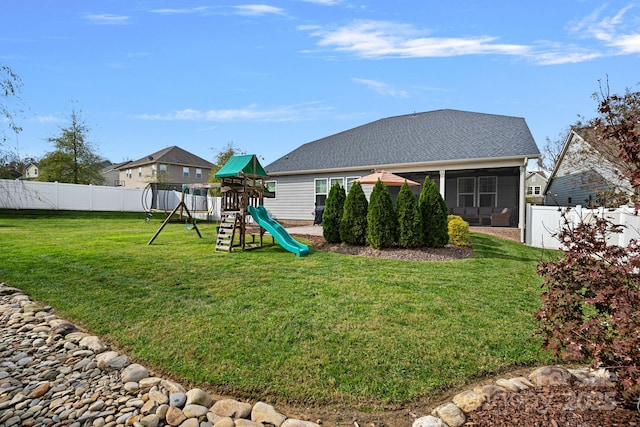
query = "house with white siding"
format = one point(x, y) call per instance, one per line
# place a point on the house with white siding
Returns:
point(478, 161)
point(582, 173)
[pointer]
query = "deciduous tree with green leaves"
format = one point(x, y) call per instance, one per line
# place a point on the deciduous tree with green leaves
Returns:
point(73, 160)
point(409, 218)
point(353, 226)
point(333, 210)
point(382, 223)
point(433, 210)
point(222, 157)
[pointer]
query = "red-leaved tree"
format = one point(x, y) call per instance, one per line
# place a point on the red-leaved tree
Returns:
point(591, 293)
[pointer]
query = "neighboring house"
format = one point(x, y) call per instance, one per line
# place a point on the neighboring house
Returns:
point(581, 174)
point(30, 172)
point(477, 160)
point(171, 165)
point(536, 182)
point(111, 174)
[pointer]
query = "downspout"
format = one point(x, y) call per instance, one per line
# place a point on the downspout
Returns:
point(521, 209)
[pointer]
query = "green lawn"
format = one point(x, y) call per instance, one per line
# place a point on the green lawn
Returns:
point(324, 328)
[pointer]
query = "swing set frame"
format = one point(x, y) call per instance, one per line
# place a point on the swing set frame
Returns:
point(181, 208)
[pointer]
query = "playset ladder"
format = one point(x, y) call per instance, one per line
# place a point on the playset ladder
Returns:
point(227, 230)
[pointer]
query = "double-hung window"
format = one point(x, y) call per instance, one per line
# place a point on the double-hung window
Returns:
point(488, 191)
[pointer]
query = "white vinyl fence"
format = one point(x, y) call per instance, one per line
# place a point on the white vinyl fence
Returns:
point(18, 194)
point(543, 222)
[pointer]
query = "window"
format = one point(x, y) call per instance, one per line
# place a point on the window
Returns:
point(271, 187)
point(129, 175)
point(466, 191)
point(198, 173)
point(140, 171)
point(153, 170)
point(334, 181)
point(488, 191)
point(185, 172)
point(163, 169)
point(350, 181)
point(534, 190)
point(320, 191)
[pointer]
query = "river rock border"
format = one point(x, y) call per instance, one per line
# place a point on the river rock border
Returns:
point(53, 374)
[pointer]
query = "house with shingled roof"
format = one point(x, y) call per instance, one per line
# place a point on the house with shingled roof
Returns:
point(170, 165)
point(478, 161)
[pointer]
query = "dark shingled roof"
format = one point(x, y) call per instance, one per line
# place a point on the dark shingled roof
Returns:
point(441, 135)
point(173, 156)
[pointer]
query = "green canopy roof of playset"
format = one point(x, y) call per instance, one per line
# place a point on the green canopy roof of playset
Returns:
point(247, 163)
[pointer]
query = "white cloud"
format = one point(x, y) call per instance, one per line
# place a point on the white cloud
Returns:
point(250, 113)
point(382, 88)
point(618, 32)
point(108, 19)
point(192, 10)
point(48, 119)
point(324, 2)
point(379, 39)
point(245, 10)
point(258, 10)
point(628, 44)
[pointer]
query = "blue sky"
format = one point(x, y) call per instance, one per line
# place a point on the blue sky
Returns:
point(270, 76)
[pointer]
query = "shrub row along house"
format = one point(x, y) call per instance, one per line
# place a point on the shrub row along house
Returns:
point(477, 160)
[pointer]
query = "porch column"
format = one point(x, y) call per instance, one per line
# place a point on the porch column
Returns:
point(522, 200)
point(442, 173)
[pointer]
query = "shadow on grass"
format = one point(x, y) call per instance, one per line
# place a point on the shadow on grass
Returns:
point(488, 247)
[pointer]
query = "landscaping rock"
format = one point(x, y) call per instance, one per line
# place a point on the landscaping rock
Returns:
point(450, 414)
point(264, 413)
point(550, 376)
point(429, 421)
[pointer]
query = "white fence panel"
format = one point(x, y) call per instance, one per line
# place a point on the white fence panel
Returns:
point(17, 194)
point(543, 222)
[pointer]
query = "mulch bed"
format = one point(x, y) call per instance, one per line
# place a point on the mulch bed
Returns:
point(556, 406)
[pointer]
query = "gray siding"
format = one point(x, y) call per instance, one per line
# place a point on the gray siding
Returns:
point(295, 195)
point(575, 189)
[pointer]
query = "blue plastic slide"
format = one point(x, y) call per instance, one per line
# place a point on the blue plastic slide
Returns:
point(281, 235)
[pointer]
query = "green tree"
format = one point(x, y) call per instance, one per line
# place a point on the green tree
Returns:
point(353, 226)
point(10, 86)
point(382, 223)
point(433, 210)
point(73, 159)
point(409, 219)
point(333, 210)
point(222, 157)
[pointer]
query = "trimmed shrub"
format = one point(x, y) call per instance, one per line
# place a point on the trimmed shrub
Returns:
point(382, 223)
point(353, 226)
point(458, 231)
point(433, 210)
point(409, 219)
point(333, 209)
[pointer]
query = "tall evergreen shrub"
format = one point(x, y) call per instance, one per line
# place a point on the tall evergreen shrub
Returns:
point(409, 219)
point(353, 226)
point(433, 210)
point(382, 223)
point(333, 209)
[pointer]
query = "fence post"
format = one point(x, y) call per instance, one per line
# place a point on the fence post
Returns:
point(57, 188)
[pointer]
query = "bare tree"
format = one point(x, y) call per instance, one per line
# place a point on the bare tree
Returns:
point(10, 86)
